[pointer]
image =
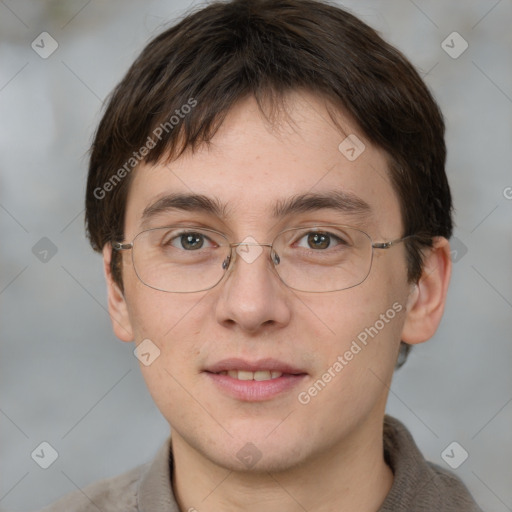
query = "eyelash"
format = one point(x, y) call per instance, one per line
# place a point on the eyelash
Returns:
point(179, 236)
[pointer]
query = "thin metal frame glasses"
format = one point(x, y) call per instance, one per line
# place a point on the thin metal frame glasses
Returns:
point(314, 259)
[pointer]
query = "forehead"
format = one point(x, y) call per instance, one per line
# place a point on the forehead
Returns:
point(253, 168)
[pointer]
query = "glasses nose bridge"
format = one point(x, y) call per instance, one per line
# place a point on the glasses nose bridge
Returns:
point(235, 245)
point(254, 244)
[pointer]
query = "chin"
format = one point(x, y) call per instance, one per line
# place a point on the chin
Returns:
point(259, 450)
point(260, 457)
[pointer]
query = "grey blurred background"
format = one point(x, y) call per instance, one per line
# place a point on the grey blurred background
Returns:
point(67, 381)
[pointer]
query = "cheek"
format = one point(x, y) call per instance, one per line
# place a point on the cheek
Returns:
point(362, 325)
point(355, 352)
point(172, 324)
point(155, 314)
point(339, 317)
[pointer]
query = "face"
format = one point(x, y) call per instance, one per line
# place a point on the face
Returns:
point(336, 351)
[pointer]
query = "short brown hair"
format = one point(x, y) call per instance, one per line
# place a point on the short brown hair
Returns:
point(228, 51)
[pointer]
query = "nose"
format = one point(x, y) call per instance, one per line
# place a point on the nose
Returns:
point(251, 295)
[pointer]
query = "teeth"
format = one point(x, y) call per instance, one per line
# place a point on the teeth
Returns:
point(245, 375)
point(257, 375)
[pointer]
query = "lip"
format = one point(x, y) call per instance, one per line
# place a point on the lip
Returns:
point(252, 390)
point(268, 364)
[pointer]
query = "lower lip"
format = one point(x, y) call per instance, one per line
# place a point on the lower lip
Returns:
point(253, 390)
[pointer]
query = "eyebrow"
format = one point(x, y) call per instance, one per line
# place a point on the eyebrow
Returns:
point(185, 202)
point(341, 201)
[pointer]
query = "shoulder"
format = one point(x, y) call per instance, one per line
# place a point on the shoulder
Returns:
point(419, 485)
point(450, 491)
point(114, 494)
point(147, 487)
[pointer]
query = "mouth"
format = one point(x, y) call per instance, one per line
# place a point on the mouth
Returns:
point(254, 381)
point(259, 375)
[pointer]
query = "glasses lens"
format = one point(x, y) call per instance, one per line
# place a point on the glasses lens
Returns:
point(180, 259)
point(312, 259)
point(323, 258)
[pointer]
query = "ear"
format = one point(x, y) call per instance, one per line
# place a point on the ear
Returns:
point(117, 307)
point(427, 299)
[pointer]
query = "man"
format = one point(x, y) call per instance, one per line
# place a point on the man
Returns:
point(267, 188)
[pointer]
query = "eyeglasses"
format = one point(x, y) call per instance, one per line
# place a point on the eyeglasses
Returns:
point(187, 259)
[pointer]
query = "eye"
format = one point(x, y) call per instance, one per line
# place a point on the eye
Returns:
point(189, 241)
point(320, 240)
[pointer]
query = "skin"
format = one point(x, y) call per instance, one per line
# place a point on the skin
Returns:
point(326, 455)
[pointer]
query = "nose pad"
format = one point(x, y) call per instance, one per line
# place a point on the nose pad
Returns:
point(225, 263)
point(273, 255)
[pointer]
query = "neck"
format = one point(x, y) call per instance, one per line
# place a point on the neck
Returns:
point(350, 476)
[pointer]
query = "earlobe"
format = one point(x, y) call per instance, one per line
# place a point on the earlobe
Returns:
point(427, 298)
point(117, 306)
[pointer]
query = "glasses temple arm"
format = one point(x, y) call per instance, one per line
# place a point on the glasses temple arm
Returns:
point(119, 246)
point(391, 243)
